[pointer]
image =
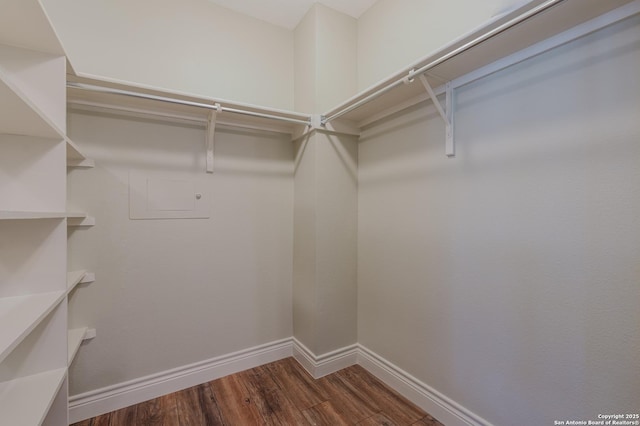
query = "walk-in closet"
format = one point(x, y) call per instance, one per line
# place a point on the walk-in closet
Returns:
point(374, 212)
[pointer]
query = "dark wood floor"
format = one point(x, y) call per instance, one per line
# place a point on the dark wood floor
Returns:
point(280, 393)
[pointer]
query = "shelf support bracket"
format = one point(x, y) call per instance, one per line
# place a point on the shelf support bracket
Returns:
point(211, 130)
point(446, 113)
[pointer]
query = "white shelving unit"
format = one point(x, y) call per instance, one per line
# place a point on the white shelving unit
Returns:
point(75, 157)
point(74, 278)
point(33, 156)
point(80, 219)
point(26, 401)
point(17, 215)
point(76, 336)
point(78, 277)
point(21, 314)
point(26, 96)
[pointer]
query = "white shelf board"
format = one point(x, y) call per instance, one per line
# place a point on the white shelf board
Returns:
point(20, 215)
point(75, 338)
point(74, 278)
point(19, 116)
point(80, 219)
point(75, 157)
point(79, 277)
point(561, 17)
point(83, 164)
point(26, 401)
point(86, 100)
point(24, 23)
point(19, 315)
point(76, 215)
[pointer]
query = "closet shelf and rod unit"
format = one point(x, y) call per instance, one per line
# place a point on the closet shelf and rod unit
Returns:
point(91, 93)
point(529, 30)
point(34, 155)
point(442, 57)
point(304, 120)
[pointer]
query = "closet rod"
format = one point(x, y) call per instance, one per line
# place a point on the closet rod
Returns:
point(414, 73)
point(138, 95)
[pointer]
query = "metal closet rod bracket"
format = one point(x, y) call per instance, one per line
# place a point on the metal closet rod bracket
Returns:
point(211, 131)
point(446, 113)
point(318, 121)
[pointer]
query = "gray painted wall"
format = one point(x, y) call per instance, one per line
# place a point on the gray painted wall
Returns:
point(169, 293)
point(507, 278)
point(325, 242)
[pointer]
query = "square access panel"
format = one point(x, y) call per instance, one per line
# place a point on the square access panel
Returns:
point(163, 196)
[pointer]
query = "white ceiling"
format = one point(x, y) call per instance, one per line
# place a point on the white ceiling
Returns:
point(287, 13)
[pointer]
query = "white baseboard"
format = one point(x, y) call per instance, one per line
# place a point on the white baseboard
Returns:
point(430, 400)
point(322, 365)
point(122, 395)
point(100, 401)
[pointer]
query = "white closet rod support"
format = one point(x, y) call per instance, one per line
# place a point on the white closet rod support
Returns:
point(446, 114)
point(414, 73)
point(434, 99)
point(215, 107)
point(211, 131)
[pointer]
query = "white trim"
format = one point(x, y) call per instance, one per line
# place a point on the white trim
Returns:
point(304, 356)
point(115, 397)
point(322, 365)
point(441, 407)
point(110, 398)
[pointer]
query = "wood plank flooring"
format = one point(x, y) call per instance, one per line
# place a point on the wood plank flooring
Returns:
point(280, 393)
